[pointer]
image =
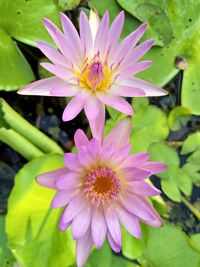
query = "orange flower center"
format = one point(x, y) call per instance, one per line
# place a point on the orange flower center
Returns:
point(102, 185)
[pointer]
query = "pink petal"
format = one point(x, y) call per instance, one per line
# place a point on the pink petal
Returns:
point(71, 33)
point(135, 160)
point(113, 224)
point(63, 226)
point(116, 102)
point(91, 107)
point(77, 204)
point(115, 247)
point(120, 134)
point(53, 54)
point(62, 198)
point(69, 180)
point(81, 222)
point(61, 72)
point(102, 35)
point(126, 91)
point(42, 87)
point(97, 125)
point(129, 221)
point(149, 89)
point(135, 174)
point(137, 206)
point(83, 248)
point(74, 106)
point(85, 157)
point(80, 139)
point(142, 188)
point(67, 90)
point(116, 29)
point(71, 162)
point(120, 155)
point(95, 148)
point(48, 179)
point(85, 33)
point(98, 226)
point(154, 167)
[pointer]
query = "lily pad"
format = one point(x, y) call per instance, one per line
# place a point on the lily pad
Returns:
point(191, 143)
point(178, 117)
point(35, 239)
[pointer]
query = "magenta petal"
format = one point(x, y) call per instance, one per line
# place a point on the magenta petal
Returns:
point(98, 226)
point(71, 162)
point(113, 224)
point(97, 124)
point(69, 180)
point(142, 188)
point(62, 198)
point(135, 174)
point(80, 139)
point(74, 106)
point(130, 221)
point(83, 248)
point(154, 167)
point(135, 160)
point(74, 208)
point(115, 247)
point(116, 102)
point(120, 134)
point(48, 179)
point(81, 222)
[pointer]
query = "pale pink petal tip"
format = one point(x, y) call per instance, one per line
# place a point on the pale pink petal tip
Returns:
point(48, 179)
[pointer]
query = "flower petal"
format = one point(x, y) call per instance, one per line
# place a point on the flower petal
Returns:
point(98, 226)
point(116, 102)
point(142, 188)
point(91, 107)
point(48, 179)
point(119, 155)
point(61, 72)
point(135, 160)
point(94, 22)
point(69, 180)
point(132, 174)
point(126, 91)
point(130, 222)
point(83, 248)
point(154, 167)
point(81, 222)
point(74, 106)
point(116, 29)
point(120, 134)
point(62, 198)
point(71, 162)
point(80, 139)
point(115, 247)
point(86, 35)
point(113, 224)
point(63, 226)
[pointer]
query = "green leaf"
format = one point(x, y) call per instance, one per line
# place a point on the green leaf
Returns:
point(112, 6)
point(34, 238)
point(15, 70)
point(133, 247)
point(195, 241)
point(193, 170)
point(191, 143)
point(6, 257)
point(68, 4)
point(150, 125)
point(19, 20)
point(178, 116)
point(170, 188)
point(153, 12)
point(195, 157)
point(139, 102)
point(170, 247)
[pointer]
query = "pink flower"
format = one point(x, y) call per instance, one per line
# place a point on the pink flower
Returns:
point(94, 68)
point(101, 187)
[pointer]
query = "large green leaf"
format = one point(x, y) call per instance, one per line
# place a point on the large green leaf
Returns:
point(31, 226)
point(191, 143)
point(15, 70)
point(170, 247)
point(153, 12)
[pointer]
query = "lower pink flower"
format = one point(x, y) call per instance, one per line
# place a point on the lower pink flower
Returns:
point(102, 187)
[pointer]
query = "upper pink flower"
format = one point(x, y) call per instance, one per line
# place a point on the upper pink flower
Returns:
point(94, 67)
point(101, 187)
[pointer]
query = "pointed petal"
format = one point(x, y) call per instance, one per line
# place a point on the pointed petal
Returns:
point(83, 248)
point(81, 222)
point(132, 174)
point(80, 138)
point(69, 180)
point(135, 160)
point(71, 162)
point(120, 155)
point(130, 222)
point(126, 91)
point(94, 22)
point(142, 188)
point(85, 33)
point(68, 90)
point(75, 106)
point(116, 29)
point(91, 107)
point(48, 179)
point(62, 225)
point(115, 247)
point(154, 167)
point(62, 198)
point(98, 226)
point(120, 134)
point(116, 102)
point(61, 72)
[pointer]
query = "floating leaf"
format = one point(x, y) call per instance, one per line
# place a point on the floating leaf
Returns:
point(68, 4)
point(193, 170)
point(154, 13)
point(191, 143)
point(178, 116)
point(170, 247)
point(35, 239)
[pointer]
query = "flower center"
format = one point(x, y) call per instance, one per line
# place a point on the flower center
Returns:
point(102, 185)
point(95, 75)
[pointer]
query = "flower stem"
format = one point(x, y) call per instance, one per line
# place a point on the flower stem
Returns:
point(194, 210)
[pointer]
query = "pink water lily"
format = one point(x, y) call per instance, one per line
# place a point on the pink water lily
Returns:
point(94, 68)
point(102, 187)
